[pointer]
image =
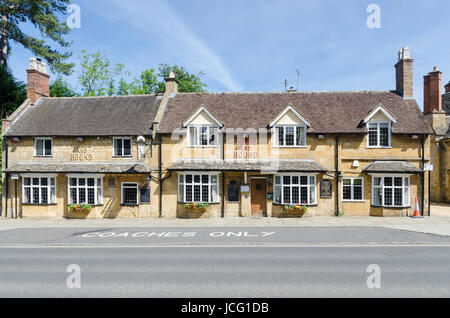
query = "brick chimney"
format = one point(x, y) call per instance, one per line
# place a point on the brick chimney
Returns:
point(404, 73)
point(432, 91)
point(38, 81)
point(171, 83)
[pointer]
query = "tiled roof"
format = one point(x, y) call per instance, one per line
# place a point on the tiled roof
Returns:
point(129, 168)
point(327, 112)
point(391, 167)
point(87, 116)
point(298, 165)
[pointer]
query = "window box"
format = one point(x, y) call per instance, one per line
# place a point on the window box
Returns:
point(80, 208)
point(294, 210)
point(196, 206)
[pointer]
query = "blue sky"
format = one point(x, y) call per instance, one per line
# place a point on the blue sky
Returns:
point(253, 45)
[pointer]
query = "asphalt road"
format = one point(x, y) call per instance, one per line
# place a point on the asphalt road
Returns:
point(211, 262)
point(218, 271)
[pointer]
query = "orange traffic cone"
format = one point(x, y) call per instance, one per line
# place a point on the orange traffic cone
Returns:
point(417, 214)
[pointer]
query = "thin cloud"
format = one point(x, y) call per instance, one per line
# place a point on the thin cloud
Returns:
point(158, 18)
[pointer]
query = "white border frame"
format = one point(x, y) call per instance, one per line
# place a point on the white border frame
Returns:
point(49, 186)
point(85, 176)
point(352, 191)
point(198, 127)
point(299, 185)
point(137, 193)
point(122, 156)
point(275, 136)
point(381, 175)
point(378, 135)
point(209, 184)
point(43, 149)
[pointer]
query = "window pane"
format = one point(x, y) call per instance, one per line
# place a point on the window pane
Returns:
point(377, 196)
point(205, 178)
point(215, 193)
point(384, 134)
point(203, 136)
point(44, 195)
point(304, 195)
point(52, 195)
point(35, 181)
point(398, 197)
point(91, 182)
point(286, 195)
point(127, 147)
point(27, 196)
point(295, 195)
point(301, 136)
point(99, 191)
point(295, 180)
point(27, 181)
point(81, 182)
point(205, 193)
point(181, 193)
point(286, 180)
point(347, 182)
point(398, 182)
point(48, 147)
point(130, 195)
point(213, 136)
point(303, 180)
point(277, 198)
point(197, 193)
point(118, 147)
point(357, 182)
point(312, 194)
point(277, 180)
point(406, 195)
point(35, 195)
point(188, 178)
point(388, 196)
point(39, 147)
point(73, 196)
point(73, 182)
point(197, 178)
point(280, 136)
point(81, 195)
point(376, 181)
point(181, 178)
point(347, 192)
point(214, 179)
point(91, 196)
point(193, 136)
point(289, 136)
point(387, 182)
point(357, 192)
point(373, 135)
point(189, 193)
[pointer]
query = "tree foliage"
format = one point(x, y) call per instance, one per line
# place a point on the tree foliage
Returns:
point(60, 88)
point(12, 92)
point(97, 74)
point(43, 15)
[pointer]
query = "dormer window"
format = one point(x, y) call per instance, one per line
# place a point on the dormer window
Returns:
point(43, 147)
point(290, 136)
point(379, 123)
point(379, 134)
point(203, 136)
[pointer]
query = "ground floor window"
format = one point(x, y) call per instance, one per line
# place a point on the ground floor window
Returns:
point(353, 189)
point(38, 190)
point(295, 189)
point(129, 193)
point(86, 190)
point(391, 191)
point(198, 188)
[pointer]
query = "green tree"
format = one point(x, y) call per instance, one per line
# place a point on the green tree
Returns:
point(12, 92)
point(97, 74)
point(188, 83)
point(60, 88)
point(43, 15)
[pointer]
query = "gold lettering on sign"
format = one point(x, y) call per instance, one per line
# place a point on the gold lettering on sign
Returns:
point(80, 151)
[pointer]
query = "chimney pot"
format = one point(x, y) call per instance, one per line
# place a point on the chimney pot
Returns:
point(432, 99)
point(171, 84)
point(404, 73)
point(38, 81)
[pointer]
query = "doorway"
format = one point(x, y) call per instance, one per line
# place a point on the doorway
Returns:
point(258, 197)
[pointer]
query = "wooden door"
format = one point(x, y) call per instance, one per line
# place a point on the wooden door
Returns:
point(258, 197)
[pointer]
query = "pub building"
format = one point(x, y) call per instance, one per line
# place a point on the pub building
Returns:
point(196, 155)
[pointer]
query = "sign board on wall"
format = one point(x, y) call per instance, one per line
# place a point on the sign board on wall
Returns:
point(245, 188)
point(326, 189)
point(428, 168)
point(14, 177)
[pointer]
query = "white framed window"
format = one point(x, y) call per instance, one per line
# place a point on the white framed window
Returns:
point(290, 136)
point(391, 191)
point(130, 194)
point(379, 135)
point(122, 147)
point(38, 190)
point(86, 190)
point(198, 188)
point(353, 189)
point(43, 147)
point(203, 136)
point(298, 189)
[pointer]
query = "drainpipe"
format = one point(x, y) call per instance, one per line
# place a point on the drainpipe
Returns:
point(337, 174)
point(422, 177)
point(5, 145)
point(223, 178)
point(160, 174)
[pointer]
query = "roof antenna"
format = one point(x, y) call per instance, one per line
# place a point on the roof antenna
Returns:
point(298, 76)
point(286, 82)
